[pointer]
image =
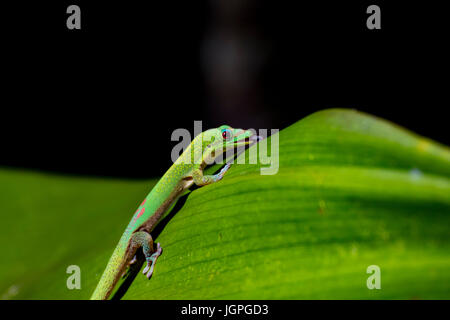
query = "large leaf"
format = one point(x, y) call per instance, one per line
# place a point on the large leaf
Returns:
point(351, 191)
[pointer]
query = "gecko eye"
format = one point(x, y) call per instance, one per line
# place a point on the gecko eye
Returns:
point(226, 134)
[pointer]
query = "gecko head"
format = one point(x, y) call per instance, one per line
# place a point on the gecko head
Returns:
point(218, 140)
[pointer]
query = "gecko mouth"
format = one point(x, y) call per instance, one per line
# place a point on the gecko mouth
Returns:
point(247, 143)
point(249, 140)
point(256, 138)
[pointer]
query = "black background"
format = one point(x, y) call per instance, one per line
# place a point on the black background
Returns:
point(105, 99)
point(278, 309)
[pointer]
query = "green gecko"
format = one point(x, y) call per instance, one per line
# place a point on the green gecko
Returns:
point(186, 170)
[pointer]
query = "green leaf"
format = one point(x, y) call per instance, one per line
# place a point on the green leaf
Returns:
point(351, 191)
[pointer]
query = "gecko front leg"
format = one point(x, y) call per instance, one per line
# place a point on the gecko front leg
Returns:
point(201, 180)
point(144, 239)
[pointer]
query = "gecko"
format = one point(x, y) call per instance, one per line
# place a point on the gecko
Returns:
point(187, 170)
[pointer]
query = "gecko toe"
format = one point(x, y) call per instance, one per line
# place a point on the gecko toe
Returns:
point(150, 273)
point(132, 261)
point(158, 249)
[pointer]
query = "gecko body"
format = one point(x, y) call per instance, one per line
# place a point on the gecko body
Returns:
point(186, 171)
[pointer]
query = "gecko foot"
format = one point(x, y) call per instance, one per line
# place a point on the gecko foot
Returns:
point(222, 172)
point(148, 270)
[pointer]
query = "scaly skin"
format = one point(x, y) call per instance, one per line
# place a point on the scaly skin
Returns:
point(187, 170)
